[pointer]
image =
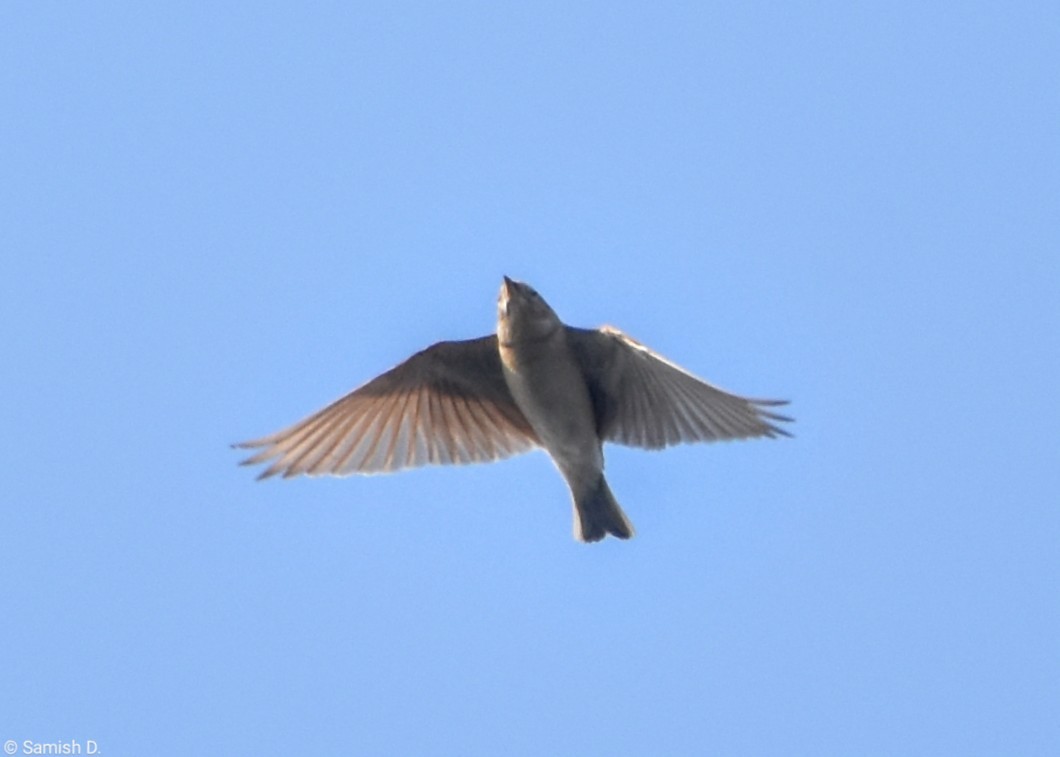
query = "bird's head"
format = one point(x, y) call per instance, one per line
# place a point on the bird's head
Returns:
point(523, 314)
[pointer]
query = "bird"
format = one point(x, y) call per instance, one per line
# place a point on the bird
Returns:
point(535, 383)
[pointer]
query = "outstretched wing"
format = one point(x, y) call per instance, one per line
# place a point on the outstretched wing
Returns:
point(446, 404)
point(641, 399)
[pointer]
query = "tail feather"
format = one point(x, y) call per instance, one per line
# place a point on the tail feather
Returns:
point(597, 514)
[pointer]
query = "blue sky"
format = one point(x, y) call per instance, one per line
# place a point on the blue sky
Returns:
point(219, 217)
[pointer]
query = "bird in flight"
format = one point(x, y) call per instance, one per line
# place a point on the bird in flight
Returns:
point(535, 383)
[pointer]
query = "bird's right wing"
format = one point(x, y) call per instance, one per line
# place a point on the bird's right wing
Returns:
point(446, 404)
point(641, 399)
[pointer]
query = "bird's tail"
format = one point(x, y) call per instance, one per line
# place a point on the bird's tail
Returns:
point(597, 514)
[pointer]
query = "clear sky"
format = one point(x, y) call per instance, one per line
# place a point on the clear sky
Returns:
point(218, 217)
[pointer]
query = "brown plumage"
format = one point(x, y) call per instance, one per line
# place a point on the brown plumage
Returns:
point(536, 383)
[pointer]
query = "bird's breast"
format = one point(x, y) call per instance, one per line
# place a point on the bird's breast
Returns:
point(549, 389)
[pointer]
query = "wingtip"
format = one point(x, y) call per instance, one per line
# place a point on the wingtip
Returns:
point(269, 472)
point(769, 403)
point(255, 459)
point(776, 431)
point(768, 415)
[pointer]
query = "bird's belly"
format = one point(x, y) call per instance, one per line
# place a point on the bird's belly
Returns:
point(556, 403)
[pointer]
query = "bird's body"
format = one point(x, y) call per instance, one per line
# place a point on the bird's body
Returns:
point(547, 387)
point(537, 382)
point(546, 382)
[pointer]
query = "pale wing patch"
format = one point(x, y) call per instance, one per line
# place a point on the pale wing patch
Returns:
point(445, 405)
point(652, 402)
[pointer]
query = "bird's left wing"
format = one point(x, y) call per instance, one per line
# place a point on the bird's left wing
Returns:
point(641, 399)
point(446, 404)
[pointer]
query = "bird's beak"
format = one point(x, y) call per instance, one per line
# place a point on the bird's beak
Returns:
point(507, 289)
